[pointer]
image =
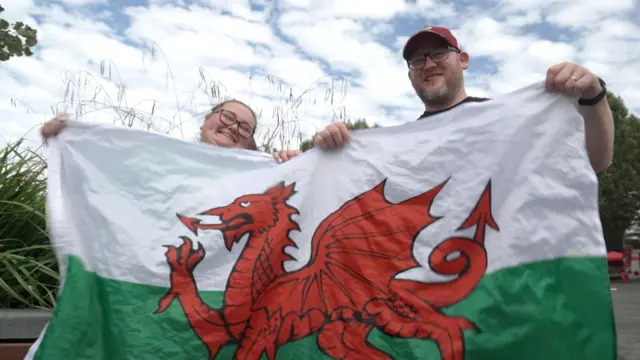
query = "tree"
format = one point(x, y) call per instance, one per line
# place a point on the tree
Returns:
point(359, 124)
point(619, 191)
point(16, 39)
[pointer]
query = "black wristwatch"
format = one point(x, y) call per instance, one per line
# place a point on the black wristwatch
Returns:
point(596, 99)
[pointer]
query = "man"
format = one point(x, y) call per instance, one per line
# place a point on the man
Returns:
point(436, 64)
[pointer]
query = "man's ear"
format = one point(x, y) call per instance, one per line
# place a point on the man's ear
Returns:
point(464, 60)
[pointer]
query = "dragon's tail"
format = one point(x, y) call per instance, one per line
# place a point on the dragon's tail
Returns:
point(469, 266)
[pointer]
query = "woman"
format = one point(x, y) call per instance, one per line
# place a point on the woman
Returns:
point(230, 124)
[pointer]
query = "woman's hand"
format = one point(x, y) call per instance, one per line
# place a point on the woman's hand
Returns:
point(54, 126)
point(286, 155)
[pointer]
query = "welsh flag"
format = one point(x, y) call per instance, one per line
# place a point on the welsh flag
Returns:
point(471, 235)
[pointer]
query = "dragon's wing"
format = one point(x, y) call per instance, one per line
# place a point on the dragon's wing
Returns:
point(356, 252)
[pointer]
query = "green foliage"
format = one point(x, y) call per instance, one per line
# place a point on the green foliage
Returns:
point(359, 124)
point(620, 184)
point(306, 145)
point(16, 39)
point(28, 268)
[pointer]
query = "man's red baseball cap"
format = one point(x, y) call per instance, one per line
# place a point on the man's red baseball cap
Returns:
point(415, 40)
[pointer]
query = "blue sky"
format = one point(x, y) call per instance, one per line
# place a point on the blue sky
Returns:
point(338, 59)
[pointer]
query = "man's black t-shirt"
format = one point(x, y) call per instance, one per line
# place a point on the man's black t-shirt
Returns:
point(467, 99)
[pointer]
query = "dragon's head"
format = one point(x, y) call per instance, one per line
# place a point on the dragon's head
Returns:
point(250, 214)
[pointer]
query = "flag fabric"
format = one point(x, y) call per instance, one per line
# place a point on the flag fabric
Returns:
point(471, 235)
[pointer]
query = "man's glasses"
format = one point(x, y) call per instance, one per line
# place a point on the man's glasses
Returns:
point(228, 118)
point(438, 55)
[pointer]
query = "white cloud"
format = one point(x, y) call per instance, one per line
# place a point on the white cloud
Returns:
point(175, 61)
point(485, 36)
point(354, 9)
point(530, 17)
point(82, 2)
point(16, 10)
point(586, 14)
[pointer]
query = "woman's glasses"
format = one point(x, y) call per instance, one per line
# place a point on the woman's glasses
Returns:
point(228, 118)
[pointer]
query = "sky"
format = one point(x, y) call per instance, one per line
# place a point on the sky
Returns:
point(161, 65)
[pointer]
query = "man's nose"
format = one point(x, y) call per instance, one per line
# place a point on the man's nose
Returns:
point(429, 63)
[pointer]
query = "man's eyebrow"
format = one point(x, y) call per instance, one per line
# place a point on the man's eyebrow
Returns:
point(427, 50)
point(433, 48)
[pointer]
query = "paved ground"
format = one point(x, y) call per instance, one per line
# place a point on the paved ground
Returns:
point(626, 303)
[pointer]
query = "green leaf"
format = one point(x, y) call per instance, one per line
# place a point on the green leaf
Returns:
point(16, 39)
point(28, 269)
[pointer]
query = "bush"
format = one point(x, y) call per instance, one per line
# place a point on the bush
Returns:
point(28, 268)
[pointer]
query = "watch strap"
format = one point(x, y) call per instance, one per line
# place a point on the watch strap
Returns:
point(596, 99)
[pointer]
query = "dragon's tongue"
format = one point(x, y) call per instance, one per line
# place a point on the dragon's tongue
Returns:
point(228, 240)
point(211, 226)
point(194, 224)
point(190, 223)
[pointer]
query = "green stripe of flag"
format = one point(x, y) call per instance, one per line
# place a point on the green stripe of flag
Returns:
point(559, 309)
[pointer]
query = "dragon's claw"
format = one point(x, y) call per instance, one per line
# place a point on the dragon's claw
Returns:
point(347, 340)
point(399, 318)
point(185, 250)
point(183, 259)
point(195, 257)
point(172, 254)
point(463, 323)
point(165, 301)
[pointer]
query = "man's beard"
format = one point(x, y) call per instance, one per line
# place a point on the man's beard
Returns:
point(444, 96)
point(434, 97)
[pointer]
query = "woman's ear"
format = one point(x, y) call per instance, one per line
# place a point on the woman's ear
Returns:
point(253, 145)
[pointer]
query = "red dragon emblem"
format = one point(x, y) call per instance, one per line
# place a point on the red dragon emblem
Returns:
point(349, 285)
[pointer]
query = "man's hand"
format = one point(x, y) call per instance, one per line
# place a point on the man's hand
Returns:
point(334, 136)
point(573, 79)
point(286, 155)
point(599, 129)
